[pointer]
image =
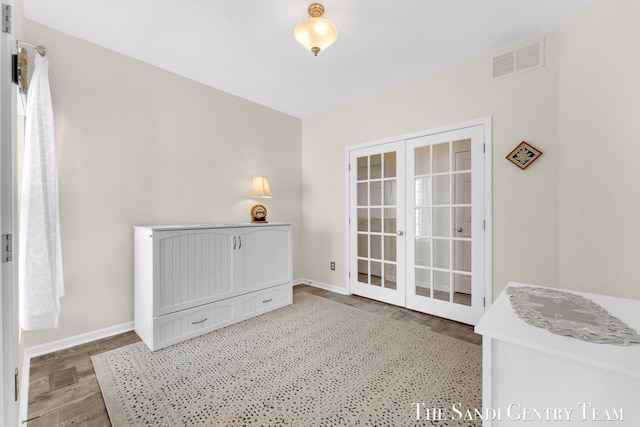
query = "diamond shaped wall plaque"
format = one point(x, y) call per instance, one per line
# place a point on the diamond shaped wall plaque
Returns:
point(523, 155)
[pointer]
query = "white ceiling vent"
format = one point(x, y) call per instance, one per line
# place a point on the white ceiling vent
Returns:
point(523, 58)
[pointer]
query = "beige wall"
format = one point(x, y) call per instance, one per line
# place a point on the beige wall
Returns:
point(525, 204)
point(138, 145)
point(599, 181)
point(571, 219)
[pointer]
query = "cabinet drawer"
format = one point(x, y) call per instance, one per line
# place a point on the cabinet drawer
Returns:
point(259, 302)
point(176, 327)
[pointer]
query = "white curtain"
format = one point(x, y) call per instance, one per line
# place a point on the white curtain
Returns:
point(40, 267)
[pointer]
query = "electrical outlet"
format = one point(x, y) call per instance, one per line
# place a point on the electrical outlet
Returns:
point(332, 265)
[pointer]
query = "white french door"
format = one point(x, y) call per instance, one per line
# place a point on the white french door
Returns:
point(445, 200)
point(376, 224)
point(417, 222)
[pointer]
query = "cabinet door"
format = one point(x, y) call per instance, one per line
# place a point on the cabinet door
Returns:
point(262, 258)
point(191, 267)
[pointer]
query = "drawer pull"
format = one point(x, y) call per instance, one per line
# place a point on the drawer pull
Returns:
point(199, 321)
point(269, 300)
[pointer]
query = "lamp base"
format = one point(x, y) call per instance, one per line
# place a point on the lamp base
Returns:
point(259, 214)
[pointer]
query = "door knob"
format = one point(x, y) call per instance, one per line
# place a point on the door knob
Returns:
point(400, 233)
point(459, 229)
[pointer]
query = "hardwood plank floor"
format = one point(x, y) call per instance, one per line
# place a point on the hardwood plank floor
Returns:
point(81, 403)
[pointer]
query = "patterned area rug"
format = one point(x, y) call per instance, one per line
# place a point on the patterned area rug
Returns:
point(313, 363)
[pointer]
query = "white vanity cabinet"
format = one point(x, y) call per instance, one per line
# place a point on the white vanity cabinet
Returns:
point(192, 279)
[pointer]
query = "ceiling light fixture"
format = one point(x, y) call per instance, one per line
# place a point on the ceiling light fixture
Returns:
point(316, 33)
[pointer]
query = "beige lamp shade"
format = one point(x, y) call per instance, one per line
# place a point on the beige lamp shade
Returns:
point(316, 33)
point(260, 188)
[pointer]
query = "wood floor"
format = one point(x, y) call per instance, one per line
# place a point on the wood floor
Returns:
point(63, 390)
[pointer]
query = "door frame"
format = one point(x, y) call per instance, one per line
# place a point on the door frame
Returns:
point(7, 117)
point(486, 122)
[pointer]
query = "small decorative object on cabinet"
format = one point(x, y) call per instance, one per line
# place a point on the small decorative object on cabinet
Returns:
point(259, 214)
point(192, 279)
point(259, 190)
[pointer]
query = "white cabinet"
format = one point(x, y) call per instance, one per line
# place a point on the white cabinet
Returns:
point(193, 279)
point(530, 374)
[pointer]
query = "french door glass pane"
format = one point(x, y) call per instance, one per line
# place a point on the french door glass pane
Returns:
point(376, 220)
point(423, 222)
point(376, 246)
point(423, 191)
point(423, 252)
point(462, 255)
point(423, 282)
point(441, 158)
point(363, 219)
point(363, 246)
point(390, 220)
point(441, 285)
point(462, 188)
point(376, 274)
point(390, 276)
point(363, 168)
point(441, 222)
point(462, 147)
point(423, 160)
point(363, 271)
point(462, 294)
point(423, 277)
point(390, 192)
point(441, 253)
point(390, 248)
point(376, 193)
point(462, 221)
point(376, 166)
point(390, 165)
point(363, 194)
point(441, 190)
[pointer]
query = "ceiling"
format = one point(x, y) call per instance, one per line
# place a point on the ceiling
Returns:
point(247, 48)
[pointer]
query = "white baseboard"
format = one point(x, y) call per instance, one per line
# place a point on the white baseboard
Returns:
point(62, 344)
point(320, 285)
point(39, 350)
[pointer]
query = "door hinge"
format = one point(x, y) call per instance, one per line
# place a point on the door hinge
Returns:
point(6, 18)
point(7, 247)
point(15, 385)
point(484, 148)
point(484, 301)
point(484, 224)
point(349, 275)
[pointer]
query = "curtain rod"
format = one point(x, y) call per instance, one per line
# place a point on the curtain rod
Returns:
point(41, 49)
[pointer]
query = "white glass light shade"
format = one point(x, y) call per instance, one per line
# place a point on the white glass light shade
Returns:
point(260, 188)
point(316, 33)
